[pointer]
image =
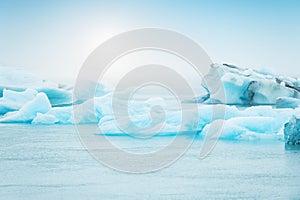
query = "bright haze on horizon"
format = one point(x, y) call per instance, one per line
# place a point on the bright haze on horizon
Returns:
point(53, 38)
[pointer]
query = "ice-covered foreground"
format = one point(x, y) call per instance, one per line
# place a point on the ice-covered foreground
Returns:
point(268, 103)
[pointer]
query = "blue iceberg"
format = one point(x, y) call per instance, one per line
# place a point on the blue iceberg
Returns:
point(257, 105)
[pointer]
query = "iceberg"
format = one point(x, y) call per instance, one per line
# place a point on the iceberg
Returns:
point(56, 115)
point(286, 102)
point(45, 119)
point(257, 105)
point(40, 104)
point(292, 131)
point(12, 100)
point(254, 122)
point(249, 128)
point(249, 87)
point(19, 80)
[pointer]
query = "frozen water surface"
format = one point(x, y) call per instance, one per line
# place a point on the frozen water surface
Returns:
point(49, 162)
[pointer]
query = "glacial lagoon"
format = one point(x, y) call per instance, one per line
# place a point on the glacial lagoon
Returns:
point(49, 162)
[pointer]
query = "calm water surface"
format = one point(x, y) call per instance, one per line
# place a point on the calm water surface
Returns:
point(49, 162)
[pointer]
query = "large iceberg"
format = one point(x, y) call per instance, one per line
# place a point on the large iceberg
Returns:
point(20, 80)
point(258, 104)
point(247, 87)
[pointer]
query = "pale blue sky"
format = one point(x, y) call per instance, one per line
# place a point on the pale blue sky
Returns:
point(53, 38)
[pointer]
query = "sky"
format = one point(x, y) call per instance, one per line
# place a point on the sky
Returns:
point(53, 38)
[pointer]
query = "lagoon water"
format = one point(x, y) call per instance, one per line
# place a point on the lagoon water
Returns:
point(49, 162)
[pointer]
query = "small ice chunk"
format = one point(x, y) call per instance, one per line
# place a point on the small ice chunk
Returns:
point(44, 119)
point(286, 102)
point(292, 131)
